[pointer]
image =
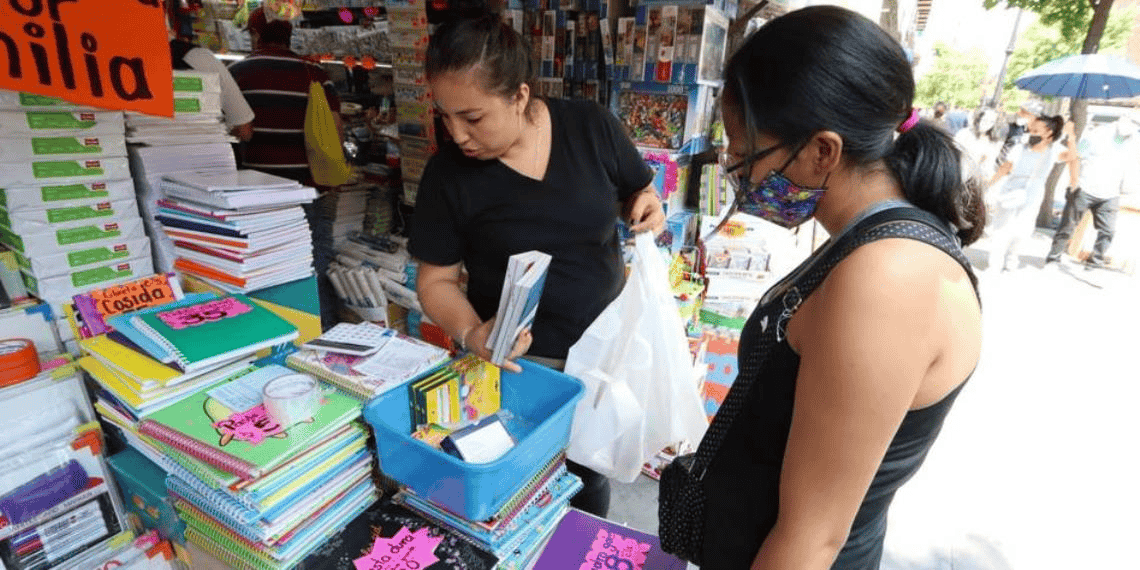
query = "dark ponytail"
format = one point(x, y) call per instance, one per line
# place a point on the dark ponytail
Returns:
point(1054, 123)
point(481, 39)
point(825, 68)
point(927, 164)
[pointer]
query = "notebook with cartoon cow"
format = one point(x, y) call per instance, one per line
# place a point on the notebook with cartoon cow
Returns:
point(227, 426)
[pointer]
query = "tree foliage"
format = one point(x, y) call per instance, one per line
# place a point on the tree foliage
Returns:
point(1072, 17)
point(956, 78)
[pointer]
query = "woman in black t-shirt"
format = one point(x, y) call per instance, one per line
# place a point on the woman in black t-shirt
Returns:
point(522, 174)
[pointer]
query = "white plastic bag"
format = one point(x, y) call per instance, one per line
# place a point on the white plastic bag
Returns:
point(641, 387)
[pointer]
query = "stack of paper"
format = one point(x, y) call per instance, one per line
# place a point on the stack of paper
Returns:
point(301, 482)
point(197, 114)
point(518, 303)
point(348, 216)
point(399, 360)
point(240, 231)
point(68, 207)
point(149, 164)
point(195, 139)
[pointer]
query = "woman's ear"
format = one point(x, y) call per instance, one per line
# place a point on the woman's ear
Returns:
point(824, 151)
point(523, 96)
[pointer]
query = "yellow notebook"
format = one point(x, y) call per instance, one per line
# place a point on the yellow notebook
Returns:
point(149, 372)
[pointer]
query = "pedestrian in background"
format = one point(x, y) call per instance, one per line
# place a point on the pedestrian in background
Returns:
point(957, 120)
point(940, 115)
point(1017, 131)
point(1106, 154)
point(980, 143)
point(1018, 188)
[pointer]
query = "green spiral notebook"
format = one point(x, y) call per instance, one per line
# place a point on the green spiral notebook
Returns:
point(208, 333)
point(225, 426)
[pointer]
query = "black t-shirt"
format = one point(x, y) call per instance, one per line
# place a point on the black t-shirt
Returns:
point(480, 212)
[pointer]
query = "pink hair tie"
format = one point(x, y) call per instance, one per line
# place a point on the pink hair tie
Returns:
point(910, 121)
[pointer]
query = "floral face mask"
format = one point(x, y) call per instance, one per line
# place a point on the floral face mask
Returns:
point(775, 198)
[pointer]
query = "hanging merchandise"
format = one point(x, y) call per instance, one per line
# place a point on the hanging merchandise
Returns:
point(282, 10)
point(322, 141)
point(642, 390)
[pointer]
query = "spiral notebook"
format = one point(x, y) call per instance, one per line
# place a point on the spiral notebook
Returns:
point(244, 442)
point(208, 333)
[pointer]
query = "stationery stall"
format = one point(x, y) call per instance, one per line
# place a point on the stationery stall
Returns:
point(162, 334)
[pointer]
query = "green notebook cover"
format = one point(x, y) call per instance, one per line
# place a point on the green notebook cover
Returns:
point(209, 332)
point(227, 427)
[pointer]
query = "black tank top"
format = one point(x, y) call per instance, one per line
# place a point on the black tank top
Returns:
point(742, 481)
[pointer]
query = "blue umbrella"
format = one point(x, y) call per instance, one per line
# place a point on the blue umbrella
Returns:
point(1084, 76)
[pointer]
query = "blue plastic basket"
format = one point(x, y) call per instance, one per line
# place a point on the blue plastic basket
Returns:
point(541, 402)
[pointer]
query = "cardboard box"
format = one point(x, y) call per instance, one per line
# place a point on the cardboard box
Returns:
point(74, 239)
point(20, 149)
point(54, 194)
point(143, 485)
point(60, 122)
point(60, 263)
point(63, 171)
point(62, 217)
point(60, 288)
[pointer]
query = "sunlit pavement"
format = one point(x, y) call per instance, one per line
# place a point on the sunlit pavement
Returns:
point(1038, 465)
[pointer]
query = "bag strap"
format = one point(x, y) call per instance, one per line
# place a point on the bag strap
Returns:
point(904, 222)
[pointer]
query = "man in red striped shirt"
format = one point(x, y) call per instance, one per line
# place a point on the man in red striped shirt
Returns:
point(275, 82)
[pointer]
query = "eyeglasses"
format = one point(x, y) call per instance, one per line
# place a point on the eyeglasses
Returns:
point(748, 160)
point(738, 181)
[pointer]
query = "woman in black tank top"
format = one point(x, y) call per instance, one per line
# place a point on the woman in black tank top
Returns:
point(850, 364)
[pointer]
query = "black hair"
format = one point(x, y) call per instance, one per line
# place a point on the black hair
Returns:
point(939, 108)
point(993, 133)
point(825, 68)
point(483, 40)
point(1054, 123)
point(276, 32)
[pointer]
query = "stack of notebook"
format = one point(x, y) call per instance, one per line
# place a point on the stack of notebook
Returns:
point(156, 356)
point(347, 211)
point(268, 490)
point(516, 533)
point(240, 231)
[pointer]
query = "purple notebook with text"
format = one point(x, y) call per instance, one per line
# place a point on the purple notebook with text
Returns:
point(585, 541)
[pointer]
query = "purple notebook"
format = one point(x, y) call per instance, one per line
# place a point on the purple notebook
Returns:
point(585, 541)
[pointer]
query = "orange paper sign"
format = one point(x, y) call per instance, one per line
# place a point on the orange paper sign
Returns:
point(132, 296)
point(102, 53)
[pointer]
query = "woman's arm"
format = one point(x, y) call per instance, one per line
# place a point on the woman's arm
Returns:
point(866, 341)
point(445, 304)
point(644, 211)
